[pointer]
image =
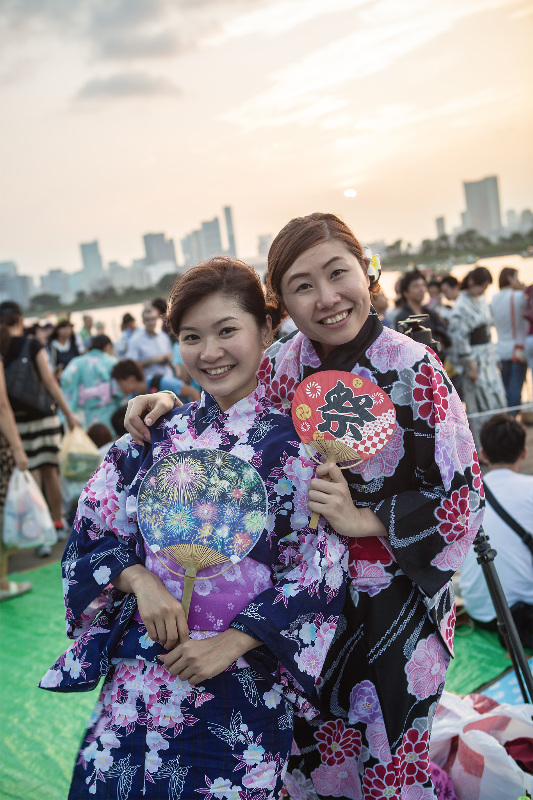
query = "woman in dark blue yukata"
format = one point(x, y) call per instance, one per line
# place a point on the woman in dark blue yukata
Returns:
point(203, 706)
point(413, 510)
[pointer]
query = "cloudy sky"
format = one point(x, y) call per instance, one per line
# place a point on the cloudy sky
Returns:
point(122, 117)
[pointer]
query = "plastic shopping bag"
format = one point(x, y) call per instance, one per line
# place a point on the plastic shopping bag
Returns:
point(27, 520)
point(78, 457)
point(469, 740)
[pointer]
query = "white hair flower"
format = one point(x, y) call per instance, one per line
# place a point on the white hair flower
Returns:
point(374, 264)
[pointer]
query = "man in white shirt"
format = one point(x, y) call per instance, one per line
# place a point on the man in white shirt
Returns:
point(150, 348)
point(503, 441)
point(508, 308)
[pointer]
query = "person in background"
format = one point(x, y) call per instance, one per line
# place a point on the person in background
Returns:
point(131, 380)
point(86, 331)
point(128, 328)
point(473, 355)
point(450, 288)
point(11, 454)
point(87, 384)
point(117, 421)
point(503, 440)
point(508, 307)
point(151, 348)
point(381, 304)
point(160, 305)
point(62, 347)
point(435, 295)
point(413, 287)
point(39, 431)
point(101, 436)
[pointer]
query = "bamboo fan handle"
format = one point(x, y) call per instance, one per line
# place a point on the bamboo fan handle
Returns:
point(188, 586)
point(314, 519)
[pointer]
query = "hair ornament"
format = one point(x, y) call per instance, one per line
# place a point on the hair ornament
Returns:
point(373, 264)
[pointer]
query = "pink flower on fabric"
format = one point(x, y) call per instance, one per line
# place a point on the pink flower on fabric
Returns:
point(103, 482)
point(336, 743)
point(412, 757)
point(453, 514)
point(426, 669)
point(447, 627)
point(281, 392)
point(364, 703)
point(263, 776)
point(393, 350)
point(340, 780)
point(378, 742)
point(381, 783)
point(430, 394)
point(369, 576)
point(451, 558)
point(385, 461)
point(310, 660)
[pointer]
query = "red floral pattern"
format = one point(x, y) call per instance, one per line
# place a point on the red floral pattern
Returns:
point(431, 394)
point(412, 760)
point(453, 513)
point(336, 743)
point(381, 782)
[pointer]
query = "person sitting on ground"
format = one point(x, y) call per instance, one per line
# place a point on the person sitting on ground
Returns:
point(132, 381)
point(503, 441)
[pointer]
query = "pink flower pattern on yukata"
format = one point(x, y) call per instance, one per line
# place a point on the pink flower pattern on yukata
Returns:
point(378, 742)
point(340, 780)
point(336, 743)
point(447, 627)
point(426, 669)
point(369, 576)
point(393, 351)
point(381, 783)
point(430, 394)
point(281, 392)
point(412, 757)
point(453, 515)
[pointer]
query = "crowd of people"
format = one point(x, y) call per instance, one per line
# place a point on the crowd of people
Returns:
point(317, 661)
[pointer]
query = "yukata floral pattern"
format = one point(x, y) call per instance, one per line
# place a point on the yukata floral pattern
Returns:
point(385, 670)
point(230, 737)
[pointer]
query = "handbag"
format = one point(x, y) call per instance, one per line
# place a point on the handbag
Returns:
point(24, 384)
point(27, 521)
point(519, 351)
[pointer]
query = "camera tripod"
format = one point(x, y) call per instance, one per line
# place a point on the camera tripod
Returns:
point(414, 328)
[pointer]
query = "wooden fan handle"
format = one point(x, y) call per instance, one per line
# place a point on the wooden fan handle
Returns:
point(188, 586)
point(314, 519)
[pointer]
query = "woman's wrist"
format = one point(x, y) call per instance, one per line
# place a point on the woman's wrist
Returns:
point(174, 395)
point(128, 580)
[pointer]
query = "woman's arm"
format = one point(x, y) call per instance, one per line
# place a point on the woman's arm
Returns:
point(8, 425)
point(54, 389)
point(154, 406)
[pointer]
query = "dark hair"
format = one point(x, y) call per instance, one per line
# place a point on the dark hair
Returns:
point(228, 276)
point(62, 323)
point(503, 439)
point(160, 304)
point(10, 314)
point(125, 368)
point(302, 233)
point(99, 342)
point(409, 278)
point(478, 276)
point(117, 420)
point(127, 318)
point(450, 280)
point(506, 276)
point(434, 282)
point(99, 433)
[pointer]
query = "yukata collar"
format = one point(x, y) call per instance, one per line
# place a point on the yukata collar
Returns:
point(347, 355)
point(208, 409)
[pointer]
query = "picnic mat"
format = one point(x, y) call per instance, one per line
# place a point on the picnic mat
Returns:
point(41, 731)
point(479, 659)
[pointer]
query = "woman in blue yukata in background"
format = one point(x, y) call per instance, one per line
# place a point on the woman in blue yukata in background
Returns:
point(181, 712)
point(413, 510)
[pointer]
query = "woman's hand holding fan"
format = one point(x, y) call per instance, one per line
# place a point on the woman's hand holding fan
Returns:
point(345, 418)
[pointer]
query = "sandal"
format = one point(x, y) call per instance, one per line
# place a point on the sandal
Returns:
point(15, 590)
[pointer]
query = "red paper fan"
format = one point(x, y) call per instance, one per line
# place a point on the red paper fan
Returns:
point(345, 417)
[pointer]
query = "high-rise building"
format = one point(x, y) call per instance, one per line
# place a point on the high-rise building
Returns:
point(211, 241)
point(441, 226)
point(158, 248)
point(8, 269)
point(483, 205)
point(93, 267)
point(264, 240)
point(232, 251)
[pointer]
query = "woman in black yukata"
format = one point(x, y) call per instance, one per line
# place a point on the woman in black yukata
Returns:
point(412, 511)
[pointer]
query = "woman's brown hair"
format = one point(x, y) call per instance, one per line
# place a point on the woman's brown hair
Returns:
point(302, 233)
point(228, 276)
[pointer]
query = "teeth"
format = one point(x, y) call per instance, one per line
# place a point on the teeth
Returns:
point(331, 320)
point(217, 371)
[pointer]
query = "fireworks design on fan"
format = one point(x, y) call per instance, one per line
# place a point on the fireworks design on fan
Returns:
point(202, 508)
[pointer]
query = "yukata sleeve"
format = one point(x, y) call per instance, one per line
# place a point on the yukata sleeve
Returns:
point(103, 539)
point(297, 617)
point(432, 525)
point(70, 378)
point(459, 329)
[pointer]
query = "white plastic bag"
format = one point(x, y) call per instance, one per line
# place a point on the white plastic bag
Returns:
point(78, 457)
point(27, 520)
point(469, 746)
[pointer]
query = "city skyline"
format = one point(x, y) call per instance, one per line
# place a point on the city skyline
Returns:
point(121, 117)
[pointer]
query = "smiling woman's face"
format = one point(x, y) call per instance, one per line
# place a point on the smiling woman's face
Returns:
point(326, 292)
